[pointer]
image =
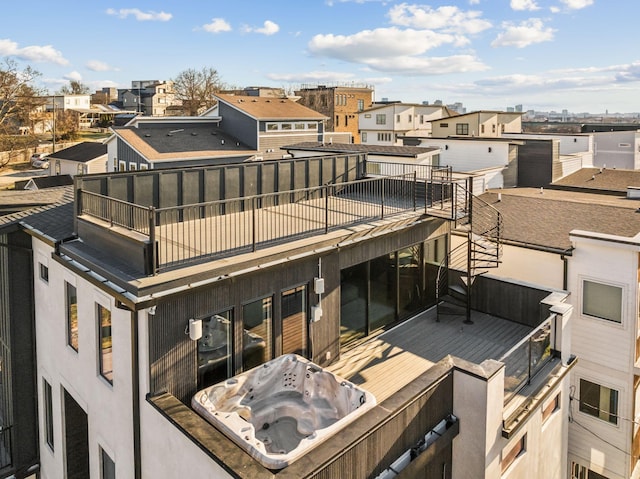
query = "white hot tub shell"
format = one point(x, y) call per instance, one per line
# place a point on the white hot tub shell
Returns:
point(282, 409)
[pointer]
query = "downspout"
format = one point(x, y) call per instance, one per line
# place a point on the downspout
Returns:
point(565, 268)
point(135, 391)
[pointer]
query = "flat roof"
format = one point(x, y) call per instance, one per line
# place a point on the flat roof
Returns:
point(406, 151)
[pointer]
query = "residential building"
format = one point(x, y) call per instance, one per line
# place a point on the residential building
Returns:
point(492, 124)
point(151, 142)
point(617, 149)
point(266, 124)
point(341, 104)
point(149, 97)
point(580, 234)
point(309, 256)
point(384, 124)
point(80, 159)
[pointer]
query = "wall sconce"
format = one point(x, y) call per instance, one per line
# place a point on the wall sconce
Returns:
point(194, 329)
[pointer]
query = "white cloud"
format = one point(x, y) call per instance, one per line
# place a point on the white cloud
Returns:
point(577, 4)
point(140, 15)
point(554, 9)
point(378, 43)
point(33, 53)
point(98, 66)
point(447, 19)
point(73, 76)
point(524, 5)
point(474, 2)
point(394, 50)
point(217, 25)
point(526, 33)
point(268, 28)
point(312, 76)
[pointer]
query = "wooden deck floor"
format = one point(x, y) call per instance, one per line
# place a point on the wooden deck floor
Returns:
point(393, 359)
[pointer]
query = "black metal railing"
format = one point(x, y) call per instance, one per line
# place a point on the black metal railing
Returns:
point(224, 227)
point(526, 358)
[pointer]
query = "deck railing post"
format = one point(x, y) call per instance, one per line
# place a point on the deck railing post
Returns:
point(152, 239)
point(382, 199)
point(254, 224)
point(415, 190)
point(326, 209)
point(110, 208)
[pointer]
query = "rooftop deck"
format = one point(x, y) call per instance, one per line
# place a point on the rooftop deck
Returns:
point(393, 359)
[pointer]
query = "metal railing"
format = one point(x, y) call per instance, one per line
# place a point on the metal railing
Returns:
point(224, 227)
point(422, 172)
point(116, 212)
point(526, 358)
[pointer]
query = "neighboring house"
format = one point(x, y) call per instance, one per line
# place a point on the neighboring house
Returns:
point(43, 182)
point(266, 124)
point(582, 235)
point(149, 97)
point(81, 159)
point(617, 149)
point(19, 375)
point(483, 123)
point(384, 124)
point(340, 104)
point(147, 143)
point(268, 259)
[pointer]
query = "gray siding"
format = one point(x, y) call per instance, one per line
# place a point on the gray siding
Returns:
point(239, 125)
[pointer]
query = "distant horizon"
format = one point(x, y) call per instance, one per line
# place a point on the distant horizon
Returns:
point(548, 55)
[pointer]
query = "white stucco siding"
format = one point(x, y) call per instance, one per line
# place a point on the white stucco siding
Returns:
point(108, 407)
point(526, 265)
point(469, 155)
point(600, 340)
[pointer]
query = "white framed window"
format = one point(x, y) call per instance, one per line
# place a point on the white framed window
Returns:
point(43, 270)
point(364, 137)
point(133, 166)
point(144, 166)
point(603, 301)
point(381, 119)
point(578, 471)
point(122, 166)
point(47, 397)
point(599, 401)
point(107, 466)
point(272, 127)
point(105, 342)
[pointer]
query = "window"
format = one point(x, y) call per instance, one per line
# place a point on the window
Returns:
point(105, 343)
point(257, 319)
point(602, 301)
point(299, 126)
point(80, 169)
point(493, 128)
point(144, 166)
point(444, 125)
point(337, 120)
point(122, 166)
point(360, 105)
point(312, 126)
point(410, 118)
point(384, 136)
point(579, 471)
point(44, 272)
point(48, 413)
point(108, 467)
point(516, 451)
point(481, 128)
point(397, 118)
point(364, 137)
point(115, 164)
point(286, 126)
point(214, 349)
point(551, 407)
point(294, 321)
point(272, 126)
point(421, 119)
point(381, 119)
point(367, 115)
point(346, 120)
point(462, 128)
point(599, 401)
point(72, 315)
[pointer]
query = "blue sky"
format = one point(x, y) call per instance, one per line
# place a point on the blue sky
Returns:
point(581, 55)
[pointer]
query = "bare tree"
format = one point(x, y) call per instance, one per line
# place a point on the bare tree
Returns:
point(18, 99)
point(74, 87)
point(196, 89)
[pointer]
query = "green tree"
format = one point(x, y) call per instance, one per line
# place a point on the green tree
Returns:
point(196, 89)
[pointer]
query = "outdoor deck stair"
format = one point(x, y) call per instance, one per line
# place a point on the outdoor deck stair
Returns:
point(481, 252)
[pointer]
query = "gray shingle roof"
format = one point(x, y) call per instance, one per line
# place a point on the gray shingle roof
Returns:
point(545, 219)
point(407, 151)
point(82, 152)
point(601, 179)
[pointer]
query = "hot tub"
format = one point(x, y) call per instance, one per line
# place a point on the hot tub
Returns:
point(282, 409)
